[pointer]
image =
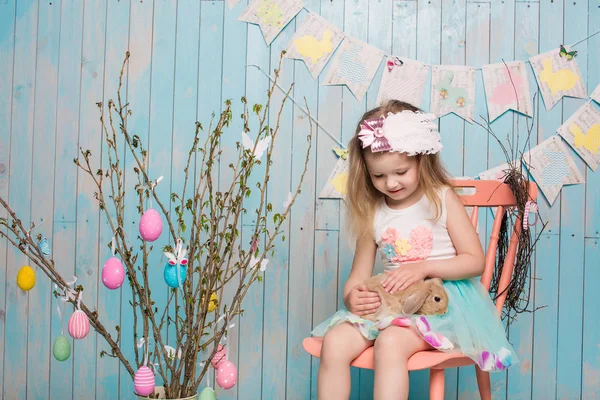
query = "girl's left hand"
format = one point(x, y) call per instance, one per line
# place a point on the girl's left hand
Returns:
point(403, 276)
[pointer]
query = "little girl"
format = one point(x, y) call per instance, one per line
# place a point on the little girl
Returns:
point(401, 206)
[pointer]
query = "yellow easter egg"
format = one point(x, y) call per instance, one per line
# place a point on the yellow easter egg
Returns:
point(26, 278)
point(213, 302)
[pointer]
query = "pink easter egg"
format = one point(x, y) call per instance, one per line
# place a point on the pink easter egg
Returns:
point(79, 325)
point(113, 273)
point(226, 374)
point(151, 225)
point(219, 356)
point(143, 382)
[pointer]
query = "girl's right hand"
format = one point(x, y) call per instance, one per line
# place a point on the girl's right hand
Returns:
point(362, 301)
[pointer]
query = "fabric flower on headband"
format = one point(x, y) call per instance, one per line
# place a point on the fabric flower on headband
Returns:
point(404, 132)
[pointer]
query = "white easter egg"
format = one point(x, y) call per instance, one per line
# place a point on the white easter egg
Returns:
point(151, 225)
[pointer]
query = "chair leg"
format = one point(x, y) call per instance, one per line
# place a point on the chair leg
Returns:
point(436, 384)
point(483, 381)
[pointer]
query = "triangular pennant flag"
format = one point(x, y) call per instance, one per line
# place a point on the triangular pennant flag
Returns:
point(336, 186)
point(271, 15)
point(453, 91)
point(495, 174)
point(552, 167)
point(355, 64)
point(596, 94)
point(403, 80)
point(557, 76)
point(232, 3)
point(506, 87)
point(582, 132)
point(314, 42)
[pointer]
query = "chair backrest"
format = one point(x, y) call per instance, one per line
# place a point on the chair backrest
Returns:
point(480, 193)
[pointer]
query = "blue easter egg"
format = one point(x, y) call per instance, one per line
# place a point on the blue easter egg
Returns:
point(171, 275)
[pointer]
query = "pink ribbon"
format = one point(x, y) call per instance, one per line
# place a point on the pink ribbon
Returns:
point(372, 134)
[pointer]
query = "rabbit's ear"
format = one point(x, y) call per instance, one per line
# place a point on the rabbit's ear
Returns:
point(414, 302)
point(436, 281)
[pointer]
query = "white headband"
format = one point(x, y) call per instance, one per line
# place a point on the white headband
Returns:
point(404, 132)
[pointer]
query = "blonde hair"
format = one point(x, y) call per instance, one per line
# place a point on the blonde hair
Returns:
point(362, 198)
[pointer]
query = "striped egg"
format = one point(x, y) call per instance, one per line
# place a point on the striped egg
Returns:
point(143, 382)
point(79, 325)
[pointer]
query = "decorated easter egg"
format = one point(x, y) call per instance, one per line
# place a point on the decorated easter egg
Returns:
point(79, 325)
point(113, 273)
point(207, 393)
point(213, 302)
point(143, 382)
point(226, 374)
point(170, 275)
point(26, 278)
point(219, 356)
point(61, 349)
point(151, 225)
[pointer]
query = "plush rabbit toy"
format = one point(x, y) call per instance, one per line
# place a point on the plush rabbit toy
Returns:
point(426, 297)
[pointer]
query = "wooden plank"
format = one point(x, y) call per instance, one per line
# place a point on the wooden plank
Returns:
point(108, 370)
point(329, 114)
point(138, 96)
point(19, 196)
point(570, 308)
point(65, 188)
point(233, 88)
point(591, 352)
point(251, 327)
point(325, 286)
point(521, 331)
point(476, 139)
point(162, 83)
point(276, 277)
point(88, 228)
point(546, 288)
point(39, 351)
point(7, 43)
point(591, 326)
point(302, 224)
point(404, 27)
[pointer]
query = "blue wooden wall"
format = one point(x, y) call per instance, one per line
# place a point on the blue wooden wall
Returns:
point(59, 57)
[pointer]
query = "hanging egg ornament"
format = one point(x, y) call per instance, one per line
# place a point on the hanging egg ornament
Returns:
point(143, 382)
point(220, 355)
point(26, 278)
point(151, 225)
point(113, 273)
point(79, 325)
point(61, 349)
point(170, 275)
point(213, 302)
point(207, 393)
point(226, 374)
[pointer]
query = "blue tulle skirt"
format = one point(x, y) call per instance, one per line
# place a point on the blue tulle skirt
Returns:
point(471, 326)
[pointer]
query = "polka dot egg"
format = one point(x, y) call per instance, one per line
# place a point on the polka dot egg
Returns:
point(79, 325)
point(113, 273)
point(226, 374)
point(143, 382)
point(151, 225)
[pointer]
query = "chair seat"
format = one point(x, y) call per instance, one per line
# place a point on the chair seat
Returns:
point(433, 359)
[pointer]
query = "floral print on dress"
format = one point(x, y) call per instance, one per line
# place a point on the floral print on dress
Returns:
point(416, 247)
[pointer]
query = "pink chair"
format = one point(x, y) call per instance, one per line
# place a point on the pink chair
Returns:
point(486, 194)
